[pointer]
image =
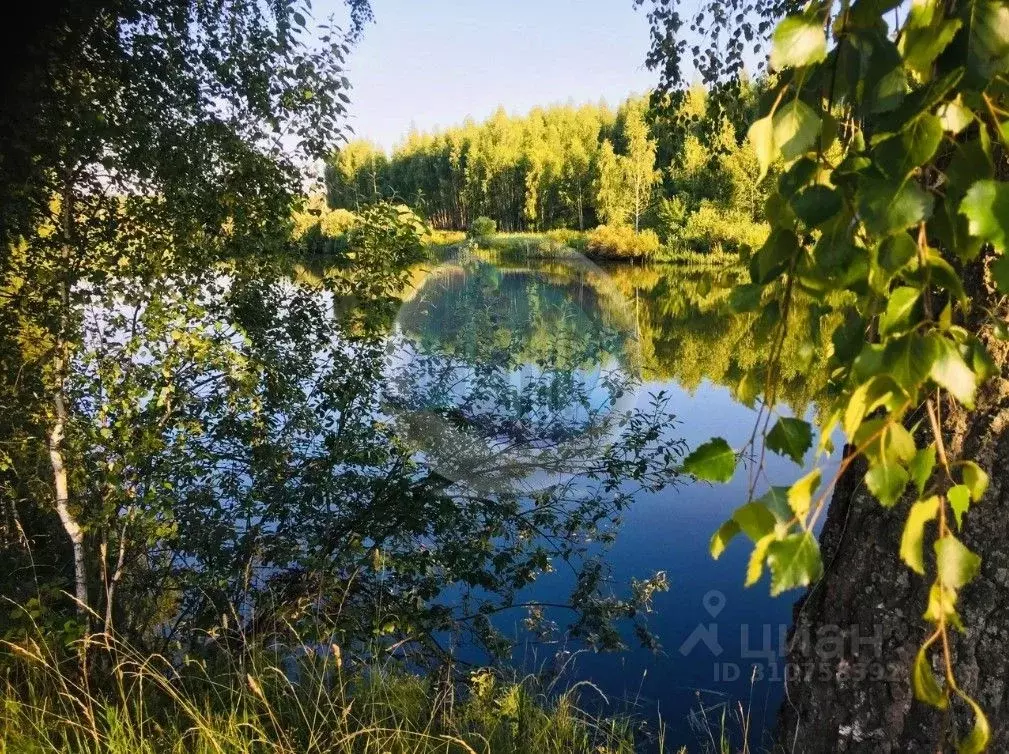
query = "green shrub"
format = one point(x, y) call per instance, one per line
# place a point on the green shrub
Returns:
point(334, 222)
point(622, 242)
point(572, 239)
point(482, 227)
point(713, 228)
point(670, 219)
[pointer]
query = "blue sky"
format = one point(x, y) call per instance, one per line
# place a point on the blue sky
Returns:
point(430, 63)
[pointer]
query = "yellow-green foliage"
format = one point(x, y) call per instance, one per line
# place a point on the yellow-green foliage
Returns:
point(722, 229)
point(319, 229)
point(482, 227)
point(572, 239)
point(316, 216)
point(435, 237)
point(272, 703)
point(621, 242)
point(333, 222)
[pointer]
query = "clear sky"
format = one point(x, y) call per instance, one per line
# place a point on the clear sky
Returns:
point(430, 63)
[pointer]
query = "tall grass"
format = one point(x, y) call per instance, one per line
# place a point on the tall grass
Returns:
point(304, 702)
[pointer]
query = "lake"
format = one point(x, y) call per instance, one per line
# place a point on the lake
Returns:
point(654, 330)
point(471, 462)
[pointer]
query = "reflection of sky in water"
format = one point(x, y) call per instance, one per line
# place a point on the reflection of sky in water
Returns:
point(668, 531)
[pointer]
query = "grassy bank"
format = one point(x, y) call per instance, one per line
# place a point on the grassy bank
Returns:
point(561, 244)
point(276, 704)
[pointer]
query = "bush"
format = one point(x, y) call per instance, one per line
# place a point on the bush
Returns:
point(712, 228)
point(482, 227)
point(336, 222)
point(321, 230)
point(572, 239)
point(622, 242)
point(671, 217)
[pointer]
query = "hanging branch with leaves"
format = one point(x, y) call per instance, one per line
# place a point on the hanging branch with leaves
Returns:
point(891, 135)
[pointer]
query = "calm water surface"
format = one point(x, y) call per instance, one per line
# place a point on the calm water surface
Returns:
point(674, 337)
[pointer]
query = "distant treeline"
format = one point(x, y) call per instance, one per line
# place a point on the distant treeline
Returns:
point(681, 170)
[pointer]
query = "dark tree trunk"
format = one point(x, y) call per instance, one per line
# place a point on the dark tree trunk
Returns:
point(868, 593)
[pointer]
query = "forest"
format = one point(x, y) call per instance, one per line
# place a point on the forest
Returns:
point(685, 172)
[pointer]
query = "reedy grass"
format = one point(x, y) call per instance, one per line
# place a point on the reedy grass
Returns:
point(278, 702)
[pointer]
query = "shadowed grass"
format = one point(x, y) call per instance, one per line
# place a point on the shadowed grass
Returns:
point(300, 702)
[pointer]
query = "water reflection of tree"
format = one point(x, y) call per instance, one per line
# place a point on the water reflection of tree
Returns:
point(686, 333)
point(505, 375)
point(231, 456)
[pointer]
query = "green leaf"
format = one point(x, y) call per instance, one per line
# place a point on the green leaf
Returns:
point(977, 741)
point(914, 532)
point(909, 359)
point(755, 566)
point(895, 252)
point(726, 532)
point(776, 501)
point(849, 337)
point(950, 371)
point(897, 444)
point(796, 128)
point(714, 461)
point(866, 13)
point(886, 481)
point(976, 480)
point(921, 100)
point(986, 207)
point(878, 391)
point(987, 22)
point(942, 606)
point(926, 689)
point(773, 257)
point(959, 501)
point(955, 116)
point(754, 520)
point(748, 389)
point(957, 565)
point(912, 147)
point(1000, 272)
point(816, 204)
point(887, 207)
point(794, 561)
point(790, 437)
point(889, 91)
point(971, 161)
point(923, 40)
point(898, 310)
point(941, 273)
point(921, 467)
point(761, 136)
point(800, 494)
point(798, 41)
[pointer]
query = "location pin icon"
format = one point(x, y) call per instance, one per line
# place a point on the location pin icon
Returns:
point(713, 602)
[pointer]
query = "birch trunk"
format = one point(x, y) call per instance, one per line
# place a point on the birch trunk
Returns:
point(866, 590)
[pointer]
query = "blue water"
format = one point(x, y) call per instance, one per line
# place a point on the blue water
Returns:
point(721, 642)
